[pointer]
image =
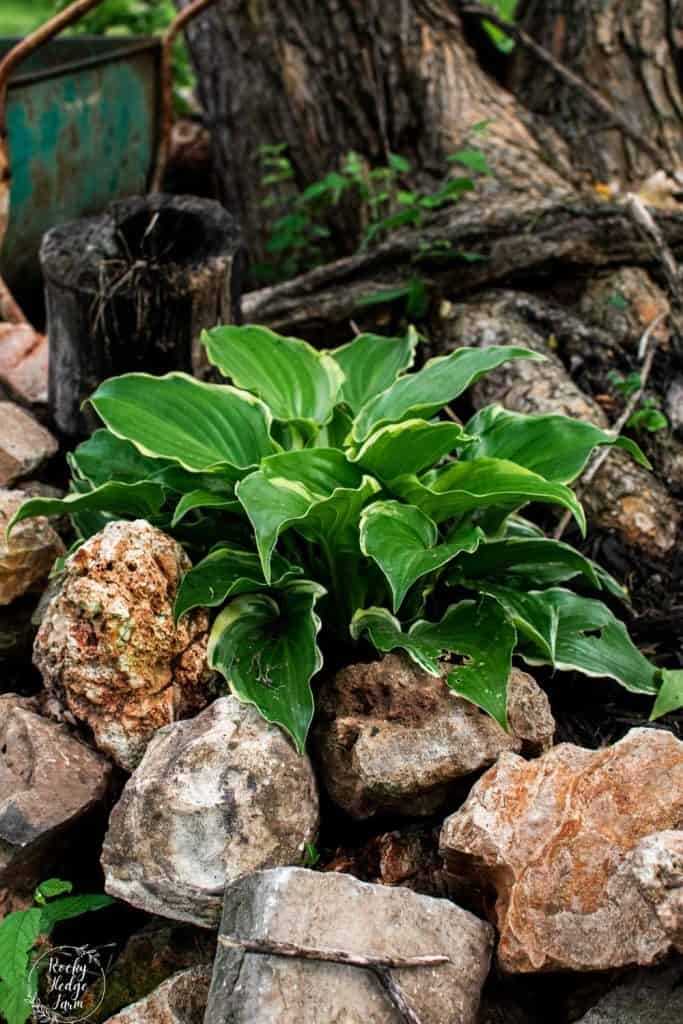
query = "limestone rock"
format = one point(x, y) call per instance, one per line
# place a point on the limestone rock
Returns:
point(180, 1000)
point(108, 648)
point(648, 997)
point(24, 362)
point(28, 556)
point(216, 796)
point(558, 838)
point(24, 444)
point(149, 958)
point(331, 910)
point(391, 738)
point(657, 866)
point(49, 782)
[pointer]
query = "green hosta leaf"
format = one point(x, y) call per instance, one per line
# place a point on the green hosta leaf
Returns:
point(474, 159)
point(466, 486)
point(518, 526)
point(228, 572)
point(581, 633)
point(105, 457)
point(404, 543)
point(203, 499)
point(524, 562)
point(124, 501)
point(334, 433)
point(479, 631)
point(49, 889)
point(556, 447)
point(197, 425)
point(265, 646)
point(297, 382)
point(439, 382)
point(409, 447)
point(670, 696)
point(318, 490)
point(371, 363)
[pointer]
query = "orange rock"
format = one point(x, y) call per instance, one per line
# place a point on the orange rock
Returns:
point(558, 839)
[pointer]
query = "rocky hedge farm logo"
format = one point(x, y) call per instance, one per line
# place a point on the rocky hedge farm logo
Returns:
point(59, 981)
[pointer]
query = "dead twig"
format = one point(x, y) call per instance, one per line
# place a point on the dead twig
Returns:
point(648, 227)
point(599, 459)
point(634, 133)
point(380, 966)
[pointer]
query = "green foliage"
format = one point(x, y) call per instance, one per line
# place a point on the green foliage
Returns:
point(19, 936)
point(330, 504)
point(648, 416)
point(301, 234)
point(505, 9)
point(140, 18)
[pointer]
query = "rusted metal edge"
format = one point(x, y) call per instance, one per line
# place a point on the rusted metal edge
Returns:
point(166, 116)
point(9, 307)
point(129, 47)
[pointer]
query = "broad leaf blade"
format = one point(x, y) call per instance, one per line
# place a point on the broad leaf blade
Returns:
point(487, 483)
point(588, 636)
point(440, 381)
point(203, 499)
point(525, 563)
point(124, 501)
point(371, 363)
point(105, 457)
point(386, 633)
point(404, 543)
point(224, 573)
point(409, 447)
point(265, 646)
point(197, 425)
point(72, 906)
point(297, 382)
point(50, 888)
point(670, 696)
point(554, 446)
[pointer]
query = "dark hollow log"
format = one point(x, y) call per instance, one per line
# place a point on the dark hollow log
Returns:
point(131, 290)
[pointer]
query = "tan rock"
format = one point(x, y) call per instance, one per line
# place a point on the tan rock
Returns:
point(180, 1000)
point(48, 784)
point(108, 648)
point(391, 738)
point(28, 556)
point(24, 361)
point(657, 866)
point(556, 838)
point(24, 444)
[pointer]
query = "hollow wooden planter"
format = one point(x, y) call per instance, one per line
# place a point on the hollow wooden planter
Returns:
point(131, 290)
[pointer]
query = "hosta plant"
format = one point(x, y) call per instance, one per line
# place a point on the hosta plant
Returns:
point(328, 502)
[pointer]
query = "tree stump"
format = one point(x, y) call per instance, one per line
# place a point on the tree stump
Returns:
point(131, 290)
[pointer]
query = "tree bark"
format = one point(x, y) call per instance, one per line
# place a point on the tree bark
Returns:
point(131, 290)
point(629, 50)
point(329, 76)
point(514, 239)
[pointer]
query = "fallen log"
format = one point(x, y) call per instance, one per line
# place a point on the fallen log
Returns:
point(475, 244)
point(623, 496)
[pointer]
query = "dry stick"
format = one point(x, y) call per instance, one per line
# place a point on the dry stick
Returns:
point(601, 457)
point(644, 220)
point(576, 82)
point(379, 965)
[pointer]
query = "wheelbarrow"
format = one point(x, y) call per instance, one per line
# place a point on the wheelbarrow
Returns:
point(83, 121)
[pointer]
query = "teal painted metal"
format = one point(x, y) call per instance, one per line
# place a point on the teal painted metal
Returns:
point(82, 119)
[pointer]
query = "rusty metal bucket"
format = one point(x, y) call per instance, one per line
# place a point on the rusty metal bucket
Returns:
point(83, 121)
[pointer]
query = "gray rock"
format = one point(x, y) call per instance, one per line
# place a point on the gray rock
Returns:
point(213, 798)
point(24, 444)
point(27, 557)
point(334, 910)
point(180, 1000)
point(649, 997)
point(48, 783)
point(391, 738)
